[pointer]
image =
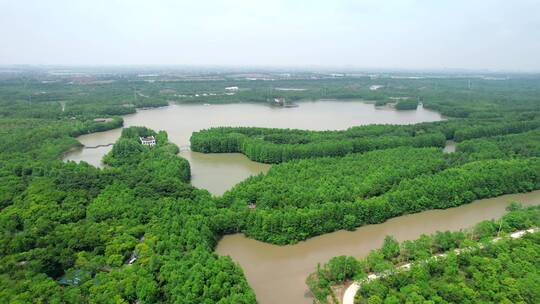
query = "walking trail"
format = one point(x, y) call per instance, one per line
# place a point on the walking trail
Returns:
point(350, 292)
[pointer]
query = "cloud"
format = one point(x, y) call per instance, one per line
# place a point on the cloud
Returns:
point(392, 34)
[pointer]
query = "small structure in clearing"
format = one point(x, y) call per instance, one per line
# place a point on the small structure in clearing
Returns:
point(132, 258)
point(148, 141)
point(74, 277)
point(103, 119)
point(281, 102)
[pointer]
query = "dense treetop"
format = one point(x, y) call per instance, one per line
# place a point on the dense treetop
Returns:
point(134, 231)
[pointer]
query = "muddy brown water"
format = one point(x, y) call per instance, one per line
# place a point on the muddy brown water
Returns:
point(219, 172)
point(278, 273)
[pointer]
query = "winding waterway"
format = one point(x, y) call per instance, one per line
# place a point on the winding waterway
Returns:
point(278, 273)
point(219, 172)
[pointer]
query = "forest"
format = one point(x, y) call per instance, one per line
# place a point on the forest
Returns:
point(504, 272)
point(296, 219)
point(71, 234)
point(298, 183)
point(137, 231)
point(503, 146)
point(278, 145)
point(281, 145)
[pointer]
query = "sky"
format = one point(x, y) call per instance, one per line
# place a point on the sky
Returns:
point(400, 34)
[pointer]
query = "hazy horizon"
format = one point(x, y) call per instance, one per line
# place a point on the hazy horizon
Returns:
point(401, 35)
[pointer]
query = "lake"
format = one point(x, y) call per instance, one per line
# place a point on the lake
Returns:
point(219, 172)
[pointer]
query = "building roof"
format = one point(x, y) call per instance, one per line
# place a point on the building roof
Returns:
point(149, 138)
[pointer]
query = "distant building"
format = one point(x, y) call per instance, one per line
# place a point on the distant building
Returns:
point(148, 141)
point(103, 119)
point(279, 101)
point(231, 89)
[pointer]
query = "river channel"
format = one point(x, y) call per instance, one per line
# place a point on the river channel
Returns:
point(278, 273)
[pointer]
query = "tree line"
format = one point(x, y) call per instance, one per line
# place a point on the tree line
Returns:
point(310, 182)
point(276, 146)
point(268, 145)
point(503, 146)
point(448, 188)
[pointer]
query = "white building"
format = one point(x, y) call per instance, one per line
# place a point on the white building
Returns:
point(279, 101)
point(148, 141)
